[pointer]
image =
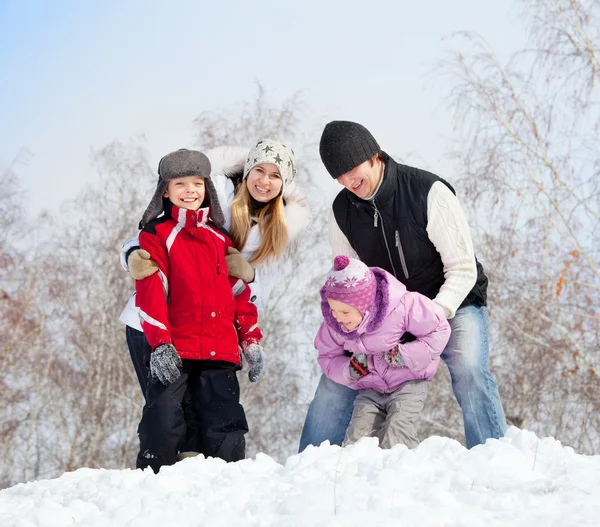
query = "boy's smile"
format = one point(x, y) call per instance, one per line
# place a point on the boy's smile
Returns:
point(186, 192)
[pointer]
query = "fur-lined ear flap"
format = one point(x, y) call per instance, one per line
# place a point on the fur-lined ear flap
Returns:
point(216, 213)
point(156, 204)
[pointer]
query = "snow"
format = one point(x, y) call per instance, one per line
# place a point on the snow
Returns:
point(519, 480)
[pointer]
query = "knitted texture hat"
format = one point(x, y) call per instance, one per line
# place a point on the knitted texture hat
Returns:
point(345, 145)
point(351, 282)
point(271, 151)
point(178, 164)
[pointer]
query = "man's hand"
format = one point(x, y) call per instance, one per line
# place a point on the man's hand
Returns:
point(238, 266)
point(141, 264)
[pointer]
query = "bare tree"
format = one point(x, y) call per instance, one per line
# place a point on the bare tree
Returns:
point(531, 177)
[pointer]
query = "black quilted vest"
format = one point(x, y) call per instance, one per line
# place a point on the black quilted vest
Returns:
point(390, 231)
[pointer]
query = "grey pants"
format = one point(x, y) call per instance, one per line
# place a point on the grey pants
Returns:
point(390, 417)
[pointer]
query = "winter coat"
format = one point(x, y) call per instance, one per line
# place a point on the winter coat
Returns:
point(227, 168)
point(189, 303)
point(394, 312)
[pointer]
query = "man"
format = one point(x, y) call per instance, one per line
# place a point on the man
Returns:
point(408, 222)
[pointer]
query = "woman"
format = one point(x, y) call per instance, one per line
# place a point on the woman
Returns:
point(264, 214)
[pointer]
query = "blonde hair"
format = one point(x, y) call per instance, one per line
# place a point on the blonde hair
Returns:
point(271, 225)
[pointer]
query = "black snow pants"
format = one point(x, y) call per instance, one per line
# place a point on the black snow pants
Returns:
point(140, 351)
point(216, 426)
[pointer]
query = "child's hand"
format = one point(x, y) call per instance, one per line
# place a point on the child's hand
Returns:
point(253, 353)
point(165, 364)
point(394, 358)
point(359, 367)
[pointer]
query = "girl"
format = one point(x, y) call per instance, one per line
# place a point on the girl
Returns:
point(384, 341)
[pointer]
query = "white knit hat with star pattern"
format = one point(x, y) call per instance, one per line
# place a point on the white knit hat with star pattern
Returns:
point(271, 151)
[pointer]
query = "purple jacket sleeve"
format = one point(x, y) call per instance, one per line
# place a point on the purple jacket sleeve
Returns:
point(425, 321)
point(334, 363)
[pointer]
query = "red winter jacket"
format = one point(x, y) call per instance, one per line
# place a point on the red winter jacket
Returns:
point(190, 303)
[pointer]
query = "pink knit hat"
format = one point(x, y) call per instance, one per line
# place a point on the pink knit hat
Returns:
point(350, 281)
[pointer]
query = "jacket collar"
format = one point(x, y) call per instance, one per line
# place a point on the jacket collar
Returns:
point(386, 189)
point(189, 219)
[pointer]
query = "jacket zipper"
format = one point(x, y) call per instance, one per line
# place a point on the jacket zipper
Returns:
point(387, 247)
point(401, 254)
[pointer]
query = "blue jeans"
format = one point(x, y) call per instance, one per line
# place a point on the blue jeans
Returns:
point(466, 356)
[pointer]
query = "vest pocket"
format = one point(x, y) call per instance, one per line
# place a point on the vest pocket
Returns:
point(401, 255)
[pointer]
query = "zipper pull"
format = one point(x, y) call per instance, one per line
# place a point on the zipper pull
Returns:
point(375, 218)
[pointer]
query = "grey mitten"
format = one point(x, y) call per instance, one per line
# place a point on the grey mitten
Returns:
point(253, 353)
point(141, 264)
point(394, 358)
point(165, 364)
point(359, 366)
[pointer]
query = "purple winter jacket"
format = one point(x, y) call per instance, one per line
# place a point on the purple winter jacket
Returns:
point(394, 312)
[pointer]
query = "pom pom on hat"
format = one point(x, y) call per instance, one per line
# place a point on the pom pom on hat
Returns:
point(340, 262)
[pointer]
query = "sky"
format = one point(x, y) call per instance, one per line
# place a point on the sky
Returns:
point(518, 481)
point(77, 75)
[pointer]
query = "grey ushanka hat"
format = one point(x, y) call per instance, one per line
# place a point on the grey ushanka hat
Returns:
point(183, 163)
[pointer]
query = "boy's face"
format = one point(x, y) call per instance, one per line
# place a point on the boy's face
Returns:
point(348, 316)
point(264, 182)
point(186, 192)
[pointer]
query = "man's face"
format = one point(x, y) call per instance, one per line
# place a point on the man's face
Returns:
point(363, 179)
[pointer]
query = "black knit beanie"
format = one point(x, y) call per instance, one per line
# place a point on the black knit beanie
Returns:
point(345, 145)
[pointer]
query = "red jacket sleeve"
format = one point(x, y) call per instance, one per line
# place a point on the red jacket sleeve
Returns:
point(151, 294)
point(246, 314)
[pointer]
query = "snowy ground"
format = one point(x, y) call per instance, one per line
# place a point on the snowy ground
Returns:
point(517, 481)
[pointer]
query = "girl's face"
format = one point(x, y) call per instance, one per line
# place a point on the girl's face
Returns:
point(186, 192)
point(348, 316)
point(264, 182)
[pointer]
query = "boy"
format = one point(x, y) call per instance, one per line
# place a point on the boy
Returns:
point(192, 320)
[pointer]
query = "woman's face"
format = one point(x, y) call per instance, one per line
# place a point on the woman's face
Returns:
point(264, 182)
